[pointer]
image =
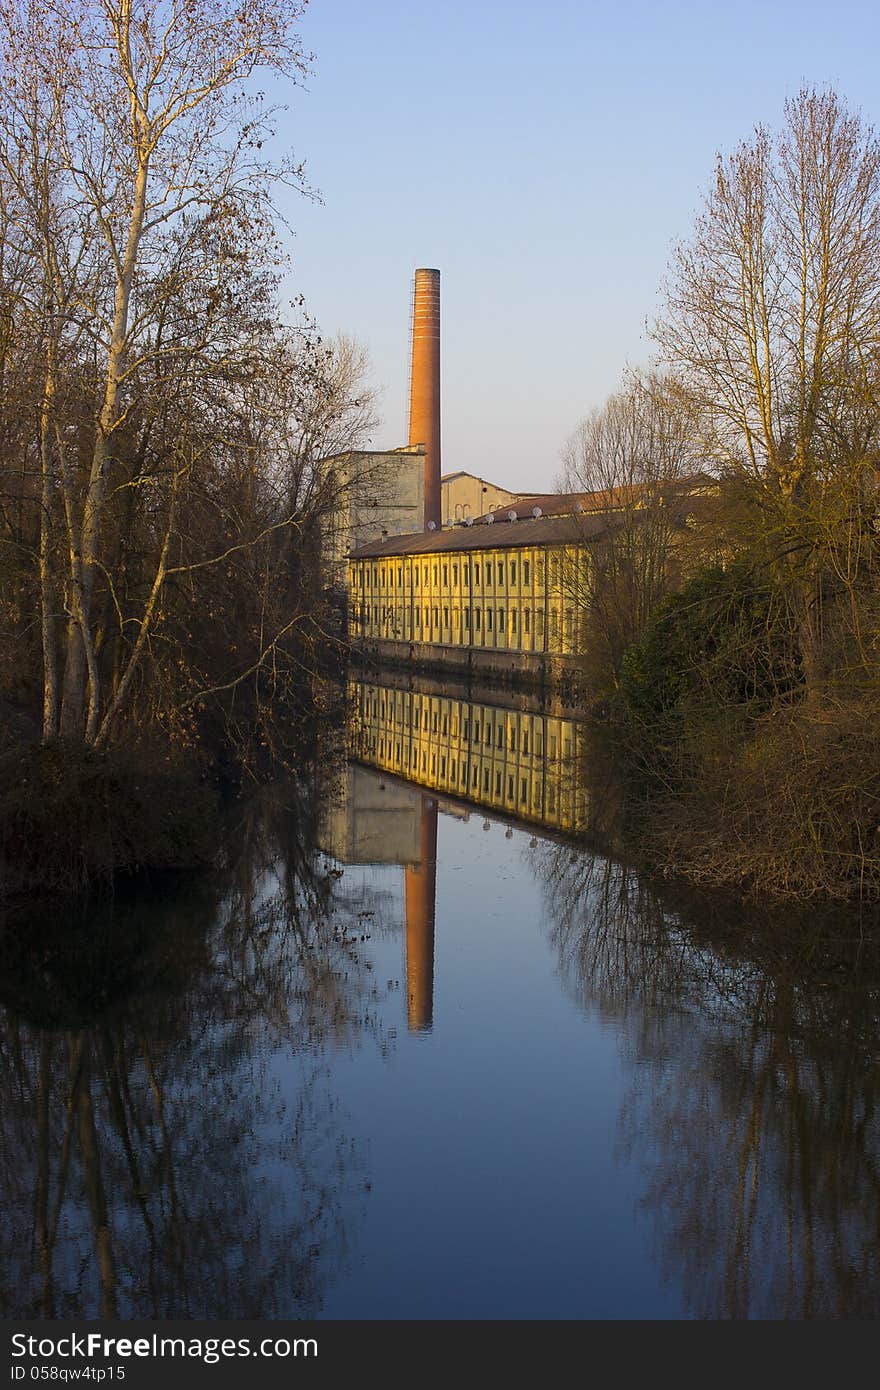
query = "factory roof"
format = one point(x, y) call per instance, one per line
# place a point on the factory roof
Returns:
point(604, 500)
point(502, 535)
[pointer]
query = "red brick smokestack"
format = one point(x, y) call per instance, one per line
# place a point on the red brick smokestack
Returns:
point(424, 395)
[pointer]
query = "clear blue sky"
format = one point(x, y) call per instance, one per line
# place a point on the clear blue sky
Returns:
point(544, 157)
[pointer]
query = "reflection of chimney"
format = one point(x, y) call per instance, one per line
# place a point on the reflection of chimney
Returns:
point(424, 394)
point(420, 886)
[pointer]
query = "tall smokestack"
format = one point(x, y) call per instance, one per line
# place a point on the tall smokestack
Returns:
point(424, 395)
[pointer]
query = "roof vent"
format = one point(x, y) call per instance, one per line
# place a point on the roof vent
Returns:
point(432, 526)
point(490, 518)
point(511, 515)
point(536, 512)
point(468, 521)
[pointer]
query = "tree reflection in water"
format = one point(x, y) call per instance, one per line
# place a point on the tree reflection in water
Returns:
point(168, 1143)
point(753, 1106)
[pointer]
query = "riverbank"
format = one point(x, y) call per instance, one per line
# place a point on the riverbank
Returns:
point(74, 819)
point(785, 806)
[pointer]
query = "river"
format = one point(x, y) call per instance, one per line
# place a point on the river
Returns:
point(417, 1048)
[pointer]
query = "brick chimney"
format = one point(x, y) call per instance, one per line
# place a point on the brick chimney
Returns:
point(424, 396)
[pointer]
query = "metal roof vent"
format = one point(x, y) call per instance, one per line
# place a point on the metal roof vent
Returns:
point(511, 515)
point(536, 512)
point(490, 518)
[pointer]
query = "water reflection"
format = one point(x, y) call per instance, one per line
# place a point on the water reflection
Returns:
point(600, 1080)
point(752, 1111)
point(169, 1146)
point(523, 762)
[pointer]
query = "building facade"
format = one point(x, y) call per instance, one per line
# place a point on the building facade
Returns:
point(380, 493)
point(511, 587)
point(464, 495)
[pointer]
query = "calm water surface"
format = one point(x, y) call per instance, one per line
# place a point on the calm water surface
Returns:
point(413, 1053)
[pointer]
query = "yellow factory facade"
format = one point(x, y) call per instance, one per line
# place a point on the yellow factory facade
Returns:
point(510, 586)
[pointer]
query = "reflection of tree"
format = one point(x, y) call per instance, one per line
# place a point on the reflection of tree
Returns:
point(168, 1147)
point(753, 1109)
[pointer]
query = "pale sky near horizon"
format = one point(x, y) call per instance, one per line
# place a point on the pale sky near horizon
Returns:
point(545, 158)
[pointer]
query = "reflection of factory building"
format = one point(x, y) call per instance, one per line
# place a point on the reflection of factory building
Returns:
point(377, 821)
point(520, 764)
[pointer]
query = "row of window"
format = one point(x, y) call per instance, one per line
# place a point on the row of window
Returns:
point(391, 576)
point(495, 620)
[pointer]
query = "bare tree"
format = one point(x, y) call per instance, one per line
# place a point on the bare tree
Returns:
point(138, 160)
point(772, 320)
point(635, 459)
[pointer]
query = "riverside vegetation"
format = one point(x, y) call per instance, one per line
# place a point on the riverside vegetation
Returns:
point(163, 501)
point(739, 645)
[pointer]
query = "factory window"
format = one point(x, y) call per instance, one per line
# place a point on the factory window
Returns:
point(375, 613)
point(500, 738)
point(513, 620)
point(539, 623)
point(527, 621)
point(475, 776)
point(525, 740)
point(400, 574)
point(569, 625)
point(425, 575)
point(524, 791)
point(554, 627)
point(427, 624)
point(497, 783)
point(466, 573)
point(444, 728)
point(435, 574)
point(455, 574)
point(510, 788)
point(476, 731)
point(383, 579)
point(452, 770)
point(434, 721)
point(485, 779)
point(500, 572)
point(488, 732)
point(467, 619)
point(476, 573)
point(456, 617)
point(539, 742)
point(445, 575)
point(445, 617)
point(552, 745)
point(442, 767)
point(436, 614)
point(418, 617)
point(489, 619)
point(511, 738)
point(465, 728)
point(525, 571)
point(478, 617)
point(500, 619)
point(513, 571)
point(417, 717)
